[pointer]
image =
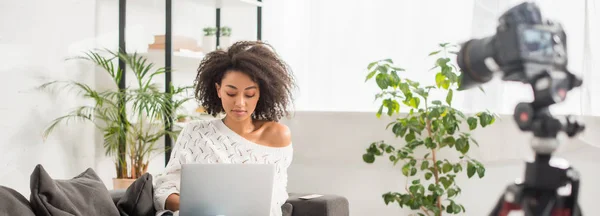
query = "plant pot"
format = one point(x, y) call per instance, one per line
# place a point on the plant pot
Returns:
point(122, 183)
point(209, 43)
point(224, 42)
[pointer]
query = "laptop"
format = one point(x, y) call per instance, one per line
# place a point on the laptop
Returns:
point(226, 189)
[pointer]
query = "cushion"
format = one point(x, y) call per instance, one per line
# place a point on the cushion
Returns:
point(138, 198)
point(287, 208)
point(84, 194)
point(13, 203)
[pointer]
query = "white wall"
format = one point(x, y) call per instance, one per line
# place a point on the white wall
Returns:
point(35, 37)
point(328, 160)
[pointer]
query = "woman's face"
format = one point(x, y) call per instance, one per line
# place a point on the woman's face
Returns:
point(239, 95)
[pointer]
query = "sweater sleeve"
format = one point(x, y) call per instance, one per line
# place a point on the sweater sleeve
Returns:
point(168, 181)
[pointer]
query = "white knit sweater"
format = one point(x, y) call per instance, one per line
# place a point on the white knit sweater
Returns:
point(211, 141)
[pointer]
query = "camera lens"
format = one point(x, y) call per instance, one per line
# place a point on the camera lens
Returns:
point(472, 59)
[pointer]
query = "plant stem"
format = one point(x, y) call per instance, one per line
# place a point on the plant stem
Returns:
point(435, 169)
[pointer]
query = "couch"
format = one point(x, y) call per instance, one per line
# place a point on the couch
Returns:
point(327, 205)
point(86, 194)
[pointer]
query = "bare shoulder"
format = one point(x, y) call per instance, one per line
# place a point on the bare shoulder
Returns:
point(277, 134)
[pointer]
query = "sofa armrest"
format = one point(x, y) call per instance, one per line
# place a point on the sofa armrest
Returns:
point(116, 195)
point(327, 205)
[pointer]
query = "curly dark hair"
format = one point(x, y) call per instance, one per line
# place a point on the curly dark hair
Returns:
point(264, 66)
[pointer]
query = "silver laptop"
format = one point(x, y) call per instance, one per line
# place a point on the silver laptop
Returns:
point(226, 189)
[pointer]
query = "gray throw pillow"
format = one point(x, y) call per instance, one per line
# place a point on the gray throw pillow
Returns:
point(138, 198)
point(13, 203)
point(84, 194)
point(287, 208)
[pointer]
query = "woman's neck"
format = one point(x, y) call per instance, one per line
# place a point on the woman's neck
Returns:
point(240, 127)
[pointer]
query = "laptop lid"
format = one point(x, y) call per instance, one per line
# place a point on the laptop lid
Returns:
point(226, 189)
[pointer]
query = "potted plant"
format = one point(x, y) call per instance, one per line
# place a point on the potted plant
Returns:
point(131, 119)
point(225, 37)
point(427, 127)
point(209, 41)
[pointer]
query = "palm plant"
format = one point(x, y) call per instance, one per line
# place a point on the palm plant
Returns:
point(132, 120)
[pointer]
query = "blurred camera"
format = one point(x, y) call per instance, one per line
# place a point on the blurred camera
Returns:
point(525, 48)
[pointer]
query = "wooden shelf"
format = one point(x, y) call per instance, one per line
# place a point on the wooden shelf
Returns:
point(231, 3)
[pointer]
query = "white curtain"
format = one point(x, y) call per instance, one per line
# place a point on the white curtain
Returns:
point(329, 43)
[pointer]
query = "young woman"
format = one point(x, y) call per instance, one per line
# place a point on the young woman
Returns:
point(252, 86)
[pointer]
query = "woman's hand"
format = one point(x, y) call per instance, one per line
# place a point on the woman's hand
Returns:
point(172, 202)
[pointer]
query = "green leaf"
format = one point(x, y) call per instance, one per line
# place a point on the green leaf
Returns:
point(451, 192)
point(414, 189)
point(394, 79)
point(370, 75)
point(414, 102)
point(434, 113)
point(472, 123)
point(389, 149)
point(397, 129)
point(406, 169)
point(412, 162)
point(481, 171)
point(455, 208)
point(409, 137)
point(388, 60)
point(446, 183)
point(449, 97)
point(434, 52)
point(461, 144)
point(412, 83)
point(442, 61)
point(416, 181)
point(382, 69)
point(447, 71)
point(436, 102)
point(449, 209)
point(444, 113)
point(413, 171)
point(371, 65)
point(438, 191)
point(397, 68)
point(424, 165)
point(431, 187)
point(471, 169)
point(369, 158)
point(389, 198)
point(457, 168)
point(474, 141)
point(429, 143)
point(447, 167)
point(405, 90)
point(485, 119)
point(382, 81)
point(428, 175)
point(379, 111)
point(448, 141)
point(446, 84)
point(426, 155)
point(392, 158)
point(444, 44)
point(439, 79)
point(421, 92)
point(392, 106)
